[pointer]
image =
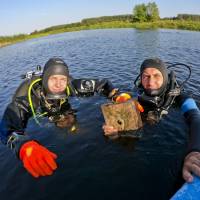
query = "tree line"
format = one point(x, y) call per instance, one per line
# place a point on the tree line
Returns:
point(87, 22)
point(143, 16)
point(107, 19)
point(141, 13)
point(188, 17)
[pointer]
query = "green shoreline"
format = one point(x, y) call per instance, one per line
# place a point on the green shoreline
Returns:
point(168, 24)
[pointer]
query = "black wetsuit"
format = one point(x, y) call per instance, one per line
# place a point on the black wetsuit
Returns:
point(17, 113)
point(191, 113)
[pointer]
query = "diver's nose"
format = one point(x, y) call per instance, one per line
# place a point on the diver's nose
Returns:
point(150, 82)
point(57, 84)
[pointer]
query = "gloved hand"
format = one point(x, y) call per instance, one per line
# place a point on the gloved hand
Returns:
point(37, 160)
point(123, 97)
point(139, 106)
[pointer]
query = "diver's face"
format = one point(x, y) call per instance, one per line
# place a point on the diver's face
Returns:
point(152, 79)
point(57, 83)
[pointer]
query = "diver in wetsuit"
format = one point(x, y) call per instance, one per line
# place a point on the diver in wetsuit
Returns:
point(157, 90)
point(47, 95)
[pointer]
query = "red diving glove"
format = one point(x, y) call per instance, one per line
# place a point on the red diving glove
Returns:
point(37, 160)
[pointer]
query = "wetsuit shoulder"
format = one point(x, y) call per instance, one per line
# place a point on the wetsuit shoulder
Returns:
point(23, 88)
point(87, 87)
point(186, 103)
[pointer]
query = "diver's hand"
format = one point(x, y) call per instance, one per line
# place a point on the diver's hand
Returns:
point(113, 92)
point(37, 160)
point(191, 166)
point(121, 98)
point(66, 122)
point(110, 131)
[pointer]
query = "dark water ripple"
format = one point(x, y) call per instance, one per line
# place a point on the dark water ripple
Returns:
point(90, 165)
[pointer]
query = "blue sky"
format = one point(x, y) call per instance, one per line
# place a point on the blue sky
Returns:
point(25, 16)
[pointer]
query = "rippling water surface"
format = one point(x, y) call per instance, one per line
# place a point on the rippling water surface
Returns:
point(90, 165)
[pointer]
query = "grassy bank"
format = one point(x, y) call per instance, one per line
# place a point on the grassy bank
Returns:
point(7, 40)
point(169, 24)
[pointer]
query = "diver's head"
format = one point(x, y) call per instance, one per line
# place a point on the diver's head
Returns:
point(55, 78)
point(154, 76)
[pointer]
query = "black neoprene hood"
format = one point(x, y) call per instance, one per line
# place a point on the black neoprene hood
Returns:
point(159, 65)
point(54, 66)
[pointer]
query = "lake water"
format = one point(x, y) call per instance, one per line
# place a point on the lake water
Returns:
point(90, 165)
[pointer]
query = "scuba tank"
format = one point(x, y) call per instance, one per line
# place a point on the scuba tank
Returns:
point(29, 77)
point(31, 74)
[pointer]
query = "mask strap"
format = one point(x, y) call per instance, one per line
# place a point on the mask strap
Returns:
point(136, 80)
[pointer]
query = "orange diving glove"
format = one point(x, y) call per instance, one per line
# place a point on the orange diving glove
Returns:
point(37, 160)
point(123, 97)
point(139, 107)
